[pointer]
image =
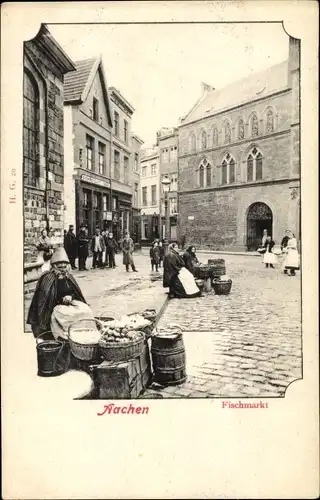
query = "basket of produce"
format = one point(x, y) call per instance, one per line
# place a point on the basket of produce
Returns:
point(120, 344)
point(84, 336)
point(203, 271)
point(222, 286)
point(217, 266)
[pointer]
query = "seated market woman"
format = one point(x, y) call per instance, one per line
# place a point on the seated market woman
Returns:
point(176, 276)
point(190, 259)
point(57, 301)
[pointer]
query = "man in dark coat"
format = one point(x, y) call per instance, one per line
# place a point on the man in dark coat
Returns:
point(71, 246)
point(127, 248)
point(83, 248)
point(111, 249)
point(54, 287)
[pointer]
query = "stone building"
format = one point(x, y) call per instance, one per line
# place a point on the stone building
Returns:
point(88, 147)
point(44, 67)
point(136, 143)
point(150, 194)
point(239, 160)
point(167, 141)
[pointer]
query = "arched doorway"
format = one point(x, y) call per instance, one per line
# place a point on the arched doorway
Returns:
point(259, 217)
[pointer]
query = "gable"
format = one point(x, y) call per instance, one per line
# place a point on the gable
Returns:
point(98, 91)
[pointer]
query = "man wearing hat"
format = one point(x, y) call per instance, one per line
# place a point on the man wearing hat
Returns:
point(56, 287)
point(83, 248)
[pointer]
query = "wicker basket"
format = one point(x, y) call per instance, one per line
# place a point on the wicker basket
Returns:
point(203, 272)
point(85, 352)
point(222, 287)
point(111, 351)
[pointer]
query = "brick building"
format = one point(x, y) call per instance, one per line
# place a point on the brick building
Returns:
point(44, 66)
point(239, 160)
point(88, 147)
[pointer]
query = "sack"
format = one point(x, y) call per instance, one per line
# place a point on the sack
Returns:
point(188, 282)
point(63, 316)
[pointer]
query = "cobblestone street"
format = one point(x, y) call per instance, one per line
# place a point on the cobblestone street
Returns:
point(247, 343)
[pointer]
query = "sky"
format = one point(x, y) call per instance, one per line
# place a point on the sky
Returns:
point(159, 68)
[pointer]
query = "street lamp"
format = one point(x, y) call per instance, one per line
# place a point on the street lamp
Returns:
point(166, 188)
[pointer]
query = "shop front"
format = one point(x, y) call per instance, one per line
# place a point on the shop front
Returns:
point(93, 202)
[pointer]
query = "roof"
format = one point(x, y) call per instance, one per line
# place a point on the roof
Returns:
point(77, 85)
point(124, 101)
point(49, 45)
point(255, 86)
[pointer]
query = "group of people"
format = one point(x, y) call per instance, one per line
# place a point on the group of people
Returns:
point(288, 248)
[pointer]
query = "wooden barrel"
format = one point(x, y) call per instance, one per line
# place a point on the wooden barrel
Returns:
point(169, 359)
point(218, 267)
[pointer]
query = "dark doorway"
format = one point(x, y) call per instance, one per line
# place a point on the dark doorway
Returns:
point(259, 218)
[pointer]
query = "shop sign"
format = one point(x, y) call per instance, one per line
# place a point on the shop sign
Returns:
point(190, 217)
point(109, 215)
point(94, 180)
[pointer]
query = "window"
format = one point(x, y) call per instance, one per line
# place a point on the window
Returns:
point(102, 151)
point(116, 165)
point(126, 169)
point(144, 171)
point(227, 133)
point(125, 130)
point(192, 143)
point(144, 196)
point(136, 162)
point(174, 185)
point(228, 170)
point(30, 129)
point(201, 176)
point(165, 155)
point(215, 136)
point(89, 152)
point(240, 129)
point(208, 179)
point(135, 195)
point(270, 122)
point(254, 165)
point(203, 140)
point(95, 109)
point(204, 173)
point(254, 126)
point(105, 206)
point(173, 153)
point(173, 206)
point(153, 195)
point(86, 206)
point(153, 169)
point(116, 123)
point(114, 203)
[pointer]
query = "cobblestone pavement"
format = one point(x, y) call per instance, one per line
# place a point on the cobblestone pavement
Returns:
point(247, 343)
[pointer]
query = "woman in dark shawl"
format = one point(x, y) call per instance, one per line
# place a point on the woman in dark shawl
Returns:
point(190, 259)
point(54, 287)
point(173, 265)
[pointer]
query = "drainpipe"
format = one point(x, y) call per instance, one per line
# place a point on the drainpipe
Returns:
point(46, 99)
point(110, 177)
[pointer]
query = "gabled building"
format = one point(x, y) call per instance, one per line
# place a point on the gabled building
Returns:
point(239, 160)
point(88, 147)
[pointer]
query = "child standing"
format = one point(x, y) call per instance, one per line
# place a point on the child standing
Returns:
point(155, 256)
point(269, 257)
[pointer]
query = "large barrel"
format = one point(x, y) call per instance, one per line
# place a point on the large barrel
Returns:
point(169, 359)
point(217, 267)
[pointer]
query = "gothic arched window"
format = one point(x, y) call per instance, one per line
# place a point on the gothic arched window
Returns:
point(227, 133)
point(201, 176)
point(270, 122)
point(254, 126)
point(215, 136)
point(208, 179)
point(30, 129)
point(203, 140)
point(240, 129)
point(228, 170)
point(254, 165)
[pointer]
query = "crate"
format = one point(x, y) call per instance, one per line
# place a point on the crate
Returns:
point(125, 380)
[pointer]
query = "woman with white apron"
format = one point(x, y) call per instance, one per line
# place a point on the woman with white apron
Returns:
point(291, 260)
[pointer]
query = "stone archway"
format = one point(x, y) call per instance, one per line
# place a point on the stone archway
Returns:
point(259, 217)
